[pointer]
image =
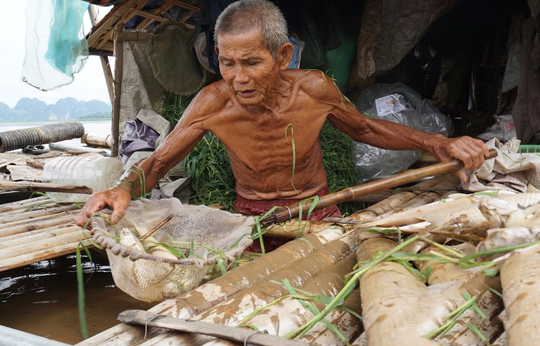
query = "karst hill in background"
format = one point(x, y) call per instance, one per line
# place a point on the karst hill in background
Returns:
point(32, 109)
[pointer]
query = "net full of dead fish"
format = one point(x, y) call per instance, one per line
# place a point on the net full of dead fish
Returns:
point(179, 255)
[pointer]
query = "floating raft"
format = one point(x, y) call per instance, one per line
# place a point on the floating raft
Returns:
point(314, 264)
point(37, 229)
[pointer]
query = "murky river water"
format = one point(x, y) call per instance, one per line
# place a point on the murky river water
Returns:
point(41, 299)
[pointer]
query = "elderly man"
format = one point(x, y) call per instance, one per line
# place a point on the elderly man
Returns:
point(269, 118)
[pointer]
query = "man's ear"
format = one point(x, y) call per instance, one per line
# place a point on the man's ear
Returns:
point(285, 53)
point(216, 49)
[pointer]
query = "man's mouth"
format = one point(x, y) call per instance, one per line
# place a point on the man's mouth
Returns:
point(245, 93)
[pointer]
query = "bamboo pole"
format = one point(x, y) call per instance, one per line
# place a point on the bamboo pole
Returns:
point(283, 316)
point(520, 276)
point(389, 292)
point(118, 76)
point(31, 214)
point(26, 204)
point(105, 65)
point(352, 193)
point(293, 229)
point(31, 225)
point(298, 273)
point(43, 187)
point(33, 236)
point(48, 243)
point(96, 140)
point(25, 259)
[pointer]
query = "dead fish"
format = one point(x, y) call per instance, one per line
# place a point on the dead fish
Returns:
point(516, 210)
point(127, 238)
point(502, 237)
point(156, 249)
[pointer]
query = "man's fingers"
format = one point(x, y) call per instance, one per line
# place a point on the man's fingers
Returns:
point(461, 175)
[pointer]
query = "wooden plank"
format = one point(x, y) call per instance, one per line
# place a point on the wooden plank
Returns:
point(147, 318)
point(106, 25)
point(121, 22)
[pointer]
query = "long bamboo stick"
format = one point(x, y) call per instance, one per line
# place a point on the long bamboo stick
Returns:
point(39, 235)
point(25, 204)
point(32, 214)
point(25, 259)
point(48, 243)
point(38, 223)
point(43, 187)
point(351, 193)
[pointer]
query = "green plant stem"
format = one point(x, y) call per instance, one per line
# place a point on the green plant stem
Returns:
point(80, 294)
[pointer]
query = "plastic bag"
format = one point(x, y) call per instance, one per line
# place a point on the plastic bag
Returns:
point(400, 104)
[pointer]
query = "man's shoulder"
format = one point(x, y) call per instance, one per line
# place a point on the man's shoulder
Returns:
point(312, 81)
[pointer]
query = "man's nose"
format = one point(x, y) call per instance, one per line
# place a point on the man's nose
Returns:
point(241, 76)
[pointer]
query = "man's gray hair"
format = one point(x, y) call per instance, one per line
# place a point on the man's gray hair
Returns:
point(244, 15)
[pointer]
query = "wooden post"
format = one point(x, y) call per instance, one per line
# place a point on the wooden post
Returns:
point(105, 65)
point(118, 72)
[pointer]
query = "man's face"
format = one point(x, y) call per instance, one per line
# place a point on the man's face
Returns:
point(247, 66)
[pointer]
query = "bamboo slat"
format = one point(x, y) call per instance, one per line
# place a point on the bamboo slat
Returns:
point(41, 255)
point(37, 223)
point(37, 229)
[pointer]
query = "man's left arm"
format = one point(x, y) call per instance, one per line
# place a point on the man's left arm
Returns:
point(388, 135)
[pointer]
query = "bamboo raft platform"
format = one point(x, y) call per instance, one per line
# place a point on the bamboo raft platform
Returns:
point(315, 263)
point(37, 229)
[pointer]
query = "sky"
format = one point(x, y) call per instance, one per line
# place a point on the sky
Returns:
point(88, 85)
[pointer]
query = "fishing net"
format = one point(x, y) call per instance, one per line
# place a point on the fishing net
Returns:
point(210, 239)
point(55, 45)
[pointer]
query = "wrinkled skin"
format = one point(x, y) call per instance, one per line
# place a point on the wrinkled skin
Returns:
point(260, 111)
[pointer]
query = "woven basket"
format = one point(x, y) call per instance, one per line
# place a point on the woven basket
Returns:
point(153, 279)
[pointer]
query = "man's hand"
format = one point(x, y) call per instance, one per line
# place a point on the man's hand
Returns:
point(118, 198)
point(472, 152)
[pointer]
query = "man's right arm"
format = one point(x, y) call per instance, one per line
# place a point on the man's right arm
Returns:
point(146, 173)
